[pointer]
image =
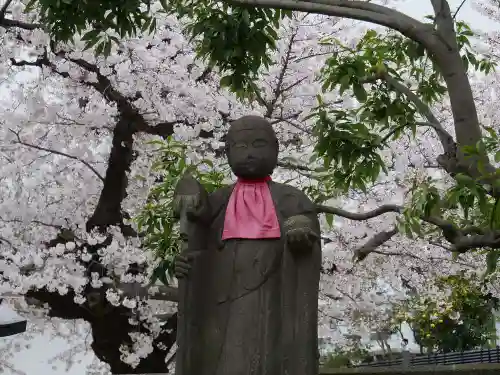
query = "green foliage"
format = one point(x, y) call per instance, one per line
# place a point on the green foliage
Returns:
point(462, 321)
point(347, 357)
point(351, 141)
point(156, 219)
point(348, 148)
point(237, 40)
point(464, 204)
point(321, 186)
point(66, 18)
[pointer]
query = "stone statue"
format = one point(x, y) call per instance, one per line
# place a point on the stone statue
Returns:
point(250, 274)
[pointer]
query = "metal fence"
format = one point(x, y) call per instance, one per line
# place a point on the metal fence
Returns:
point(408, 359)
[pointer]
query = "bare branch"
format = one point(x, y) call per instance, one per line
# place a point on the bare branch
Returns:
point(156, 292)
point(278, 89)
point(446, 139)
point(423, 108)
point(8, 242)
point(298, 59)
point(360, 216)
point(8, 23)
point(37, 222)
point(359, 10)
point(458, 9)
point(166, 293)
point(294, 166)
point(465, 243)
point(87, 164)
point(3, 10)
point(444, 21)
point(453, 160)
point(289, 121)
point(438, 244)
point(461, 240)
point(373, 243)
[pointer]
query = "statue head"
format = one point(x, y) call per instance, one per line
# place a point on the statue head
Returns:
point(252, 147)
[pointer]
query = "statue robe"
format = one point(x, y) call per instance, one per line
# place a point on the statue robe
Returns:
point(252, 305)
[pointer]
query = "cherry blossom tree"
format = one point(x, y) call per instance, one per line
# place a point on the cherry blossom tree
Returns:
point(78, 168)
point(92, 143)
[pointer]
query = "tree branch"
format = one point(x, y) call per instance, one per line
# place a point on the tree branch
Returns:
point(360, 216)
point(461, 240)
point(358, 10)
point(447, 141)
point(8, 23)
point(445, 24)
point(278, 89)
point(110, 325)
point(55, 152)
point(3, 10)
point(166, 293)
point(37, 222)
point(467, 126)
point(373, 243)
point(293, 166)
point(442, 45)
point(156, 292)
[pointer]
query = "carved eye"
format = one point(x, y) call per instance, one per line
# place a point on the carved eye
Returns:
point(259, 143)
point(239, 145)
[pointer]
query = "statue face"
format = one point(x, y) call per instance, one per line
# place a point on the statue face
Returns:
point(252, 153)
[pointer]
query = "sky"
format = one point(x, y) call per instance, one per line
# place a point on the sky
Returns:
point(43, 347)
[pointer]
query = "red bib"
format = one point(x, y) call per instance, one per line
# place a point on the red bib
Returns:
point(250, 211)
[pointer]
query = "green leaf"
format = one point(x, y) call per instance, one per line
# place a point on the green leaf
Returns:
point(226, 81)
point(146, 24)
point(91, 35)
point(30, 6)
point(152, 26)
point(495, 215)
point(329, 219)
point(344, 83)
point(100, 48)
point(90, 44)
point(107, 48)
point(359, 92)
point(497, 157)
point(491, 261)
point(465, 179)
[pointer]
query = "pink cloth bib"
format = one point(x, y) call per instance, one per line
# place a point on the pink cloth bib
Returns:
point(250, 212)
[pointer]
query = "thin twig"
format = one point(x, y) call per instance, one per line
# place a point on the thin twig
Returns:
point(458, 9)
point(87, 164)
point(3, 10)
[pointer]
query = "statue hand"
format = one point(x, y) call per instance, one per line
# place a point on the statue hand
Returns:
point(190, 198)
point(182, 264)
point(299, 234)
point(301, 238)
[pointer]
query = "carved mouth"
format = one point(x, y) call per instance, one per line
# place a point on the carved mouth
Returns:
point(245, 164)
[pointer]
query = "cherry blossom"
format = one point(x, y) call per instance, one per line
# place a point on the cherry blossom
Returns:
point(77, 164)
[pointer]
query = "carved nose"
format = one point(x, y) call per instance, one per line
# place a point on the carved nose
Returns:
point(251, 157)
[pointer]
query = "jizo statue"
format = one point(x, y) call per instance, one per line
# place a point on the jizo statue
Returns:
point(249, 273)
